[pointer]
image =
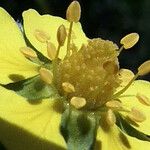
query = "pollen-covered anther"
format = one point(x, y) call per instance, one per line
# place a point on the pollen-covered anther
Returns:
point(68, 87)
point(28, 52)
point(78, 102)
point(129, 40)
point(41, 36)
point(73, 12)
point(125, 75)
point(61, 35)
point(144, 68)
point(110, 117)
point(46, 75)
point(136, 115)
point(114, 104)
point(51, 50)
point(143, 99)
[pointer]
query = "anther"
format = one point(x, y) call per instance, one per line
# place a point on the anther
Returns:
point(51, 50)
point(68, 87)
point(61, 35)
point(110, 117)
point(73, 12)
point(28, 52)
point(143, 99)
point(41, 36)
point(46, 75)
point(125, 75)
point(129, 40)
point(114, 104)
point(136, 115)
point(78, 102)
point(144, 68)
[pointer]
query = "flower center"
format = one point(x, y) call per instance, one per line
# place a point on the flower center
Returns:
point(92, 71)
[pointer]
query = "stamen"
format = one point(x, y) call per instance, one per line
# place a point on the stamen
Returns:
point(129, 40)
point(73, 12)
point(68, 87)
point(125, 75)
point(41, 36)
point(61, 35)
point(114, 104)
point(125, 88)
point(51, 50)
point(136, 115)
point(78, 102)
point(144, 68)
point(143, 99)
point(46, 75)
point(28, 52)
point(110, 117)
point(69, 39)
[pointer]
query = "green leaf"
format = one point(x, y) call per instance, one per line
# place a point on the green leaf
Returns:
point(79, 129)
point(130, 130)
point(33, 88)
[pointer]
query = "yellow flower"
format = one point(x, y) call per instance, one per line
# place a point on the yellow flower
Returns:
point(36, 125)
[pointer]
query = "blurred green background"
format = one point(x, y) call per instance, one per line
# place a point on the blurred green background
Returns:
point(108, 19)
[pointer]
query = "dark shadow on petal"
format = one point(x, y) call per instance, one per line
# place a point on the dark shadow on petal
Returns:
point(124, 140)
point(22, 139)
point(58, 106)
point(35, 102)
point(98, 145)
point(16, 77)
point(131, 122)
point(104, 124)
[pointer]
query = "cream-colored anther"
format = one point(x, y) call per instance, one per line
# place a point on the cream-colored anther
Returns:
point(136, 115)
point(144, 68)
point(68, 87)
point(41, 36)
point(51, 50)
point(111, 67)
point(110, 117)
point(114, 104)
point(61, 35)
point(28, 52)
point(46, 75)
point(125, 75)
point(129, 40)
point(78, 102)
point(143, 99)
point(73, 12)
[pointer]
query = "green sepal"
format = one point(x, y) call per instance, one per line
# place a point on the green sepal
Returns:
point(79, 129)
point(130, 130)
point(33, 88)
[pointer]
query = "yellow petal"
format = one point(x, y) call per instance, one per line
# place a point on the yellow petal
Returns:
point(49, 24)
point(29, 122)
point(129, 99)
point(12, 62)
point(113, 139)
